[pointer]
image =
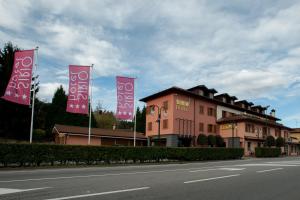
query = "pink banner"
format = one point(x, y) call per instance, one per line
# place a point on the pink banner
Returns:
point(19, 85)
point(125, 98)
point(78, 98)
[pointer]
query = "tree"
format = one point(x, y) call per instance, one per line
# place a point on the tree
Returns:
point(220, 141)
point(280, 142)
point(141, 120)
point(57, 113)
point(202, 139)
point(211, 140)
point(14, 118)
point(105, 119)
point(270, 141)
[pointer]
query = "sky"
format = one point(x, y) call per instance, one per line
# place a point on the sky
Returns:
point(249, 49)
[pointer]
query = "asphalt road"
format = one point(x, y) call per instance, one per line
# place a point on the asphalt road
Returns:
point(249, 179)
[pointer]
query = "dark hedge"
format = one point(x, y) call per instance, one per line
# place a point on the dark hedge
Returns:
point(267, 152)
point(51, 154)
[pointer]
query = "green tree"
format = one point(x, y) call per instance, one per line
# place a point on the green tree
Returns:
point(14, 118)
point(280, 142)
point(202, 139)
point(105, 119)
point(211, 140)
point(270, 141)
point(57, 113)
point(141, 120)
point(219, 141)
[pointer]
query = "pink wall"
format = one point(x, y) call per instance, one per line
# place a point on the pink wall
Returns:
point(181, 119)
point(81, 140)
point(164, 115)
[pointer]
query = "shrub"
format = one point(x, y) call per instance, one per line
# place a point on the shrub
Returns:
point(220, 141)
point(211, 140)
point(280, 142)
point(202, 139)
point(39, 134)
point(49, 154)
point(270, 141)
point(267, 152)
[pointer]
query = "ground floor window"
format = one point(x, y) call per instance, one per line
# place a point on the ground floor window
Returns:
point(249, 146)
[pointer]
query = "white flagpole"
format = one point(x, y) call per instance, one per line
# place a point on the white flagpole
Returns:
point(134, 132)
point(90, 113)
point(33, 95)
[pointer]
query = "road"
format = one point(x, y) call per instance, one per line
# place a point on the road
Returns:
point(250, 179)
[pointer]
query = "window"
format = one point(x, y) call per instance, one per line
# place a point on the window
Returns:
point(250, 128)
point(165, 105)
point(201, 109)
point(210, 128)
point(215, 128)
point(224, 113)
point(277, 132)
point(211, 112)
point(201, 127)
point(249, 146)
point(286, 134)
point(165, 124)
point(149, 126)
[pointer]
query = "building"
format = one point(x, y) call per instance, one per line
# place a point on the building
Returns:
point(186, 113)
point(77, 135)
point(295, 133)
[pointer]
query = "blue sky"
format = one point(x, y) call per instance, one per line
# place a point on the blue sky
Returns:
point(250, 49)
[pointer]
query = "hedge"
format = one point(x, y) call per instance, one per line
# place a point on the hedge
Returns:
point(267, 152)
point(52, 154)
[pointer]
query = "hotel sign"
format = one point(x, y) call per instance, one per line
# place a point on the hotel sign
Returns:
point(226, 126)
point(182, 105)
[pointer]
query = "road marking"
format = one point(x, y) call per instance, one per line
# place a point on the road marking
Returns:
point(269, 170)
point(9, 190)
point(268, 164)
point(215, 169)
point(214, 178)
point(101, 193)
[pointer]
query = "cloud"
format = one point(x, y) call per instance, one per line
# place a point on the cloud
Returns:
point(47, 90)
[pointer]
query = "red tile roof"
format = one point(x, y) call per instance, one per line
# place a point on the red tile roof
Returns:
point(243, 117)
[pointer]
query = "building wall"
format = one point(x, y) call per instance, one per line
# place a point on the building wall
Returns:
point(165, 115)
point(81, 140)
point(183, 116)
point(220, 109)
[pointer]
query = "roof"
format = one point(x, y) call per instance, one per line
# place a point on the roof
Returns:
point(203, 87)
point(243, 117)
point(295, 130)
point(78, 130)
point(244, 102)
point(177, 90)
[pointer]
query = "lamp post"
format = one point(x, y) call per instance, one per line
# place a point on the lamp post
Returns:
point(158, 120)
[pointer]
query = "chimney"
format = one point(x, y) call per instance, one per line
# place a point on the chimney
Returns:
point(272, 113)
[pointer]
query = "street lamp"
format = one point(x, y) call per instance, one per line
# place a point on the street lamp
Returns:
point(158, 118)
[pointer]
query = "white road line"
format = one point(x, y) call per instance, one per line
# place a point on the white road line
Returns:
point(214, 178)
point(9, 190)
point(101, 193)
point(215, 169)
point(269, 170)
point(268, 164)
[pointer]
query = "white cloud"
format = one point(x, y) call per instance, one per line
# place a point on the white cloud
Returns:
point(47, 90)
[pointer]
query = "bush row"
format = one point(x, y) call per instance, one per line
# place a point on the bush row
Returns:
point(267, 152)
point(51, 154)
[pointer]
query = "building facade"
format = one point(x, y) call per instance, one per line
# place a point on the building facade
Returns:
point(176, 117)
point(76, 135)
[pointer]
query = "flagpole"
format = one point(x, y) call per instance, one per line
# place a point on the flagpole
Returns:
point(90, 112)
point(134, 132)
point(33, 95)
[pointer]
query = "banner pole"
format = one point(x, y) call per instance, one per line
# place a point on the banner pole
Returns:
point(33, 95)
point(90, 112)
point(134, 132)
